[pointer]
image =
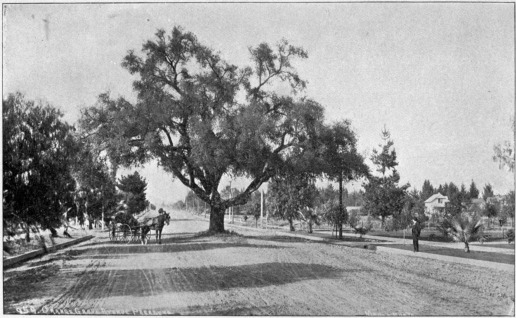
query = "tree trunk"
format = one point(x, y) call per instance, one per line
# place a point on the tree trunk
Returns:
point(466, 247)
point(291, 223)
point(216, 219)
point(27, 234)
point(340, 206)
point(54, 232)
point(310, 227)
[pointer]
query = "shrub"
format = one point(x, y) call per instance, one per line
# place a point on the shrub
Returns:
point(510, 236)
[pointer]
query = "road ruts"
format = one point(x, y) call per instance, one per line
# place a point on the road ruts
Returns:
point(256, 274)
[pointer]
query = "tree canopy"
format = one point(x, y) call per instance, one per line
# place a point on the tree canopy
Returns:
point(202, 118)
point(134, 187)
point(38, 153)
point(383, 196)
point(288, 194)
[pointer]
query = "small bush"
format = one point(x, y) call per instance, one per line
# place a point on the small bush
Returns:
point(510, 236)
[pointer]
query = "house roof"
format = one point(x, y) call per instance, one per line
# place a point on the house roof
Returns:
point(435, 197)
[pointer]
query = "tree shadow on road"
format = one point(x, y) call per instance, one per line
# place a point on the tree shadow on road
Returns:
point(110, 250)
point(280, 238)
point(148, 282)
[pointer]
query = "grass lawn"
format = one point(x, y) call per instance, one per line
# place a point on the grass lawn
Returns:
point(434, 236)
point(501, 245)
point(483, 256)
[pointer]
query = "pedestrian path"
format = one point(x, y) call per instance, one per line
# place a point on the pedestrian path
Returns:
point(455, 245)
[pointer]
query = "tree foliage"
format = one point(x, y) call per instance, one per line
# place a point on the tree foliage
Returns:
point(340, 161)
point(96, 191)
point(38, 149)
point(504, 153)
point(383, 196)
point(457, 199)
point(473, 191)
point(427, 190)
point(491, 210)
point(134, 187)
point(202, 118)
point(509, 208)
point(463, 228)
point(289, 194)
point(488, 191)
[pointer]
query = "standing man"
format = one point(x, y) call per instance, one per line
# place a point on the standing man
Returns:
point(416, 231)
point(161, 223)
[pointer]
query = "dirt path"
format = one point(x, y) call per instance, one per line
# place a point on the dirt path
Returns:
point(253, 274)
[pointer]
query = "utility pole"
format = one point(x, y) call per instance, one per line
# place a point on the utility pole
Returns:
point(261, 208)
point(102, 198)
point(231, 208)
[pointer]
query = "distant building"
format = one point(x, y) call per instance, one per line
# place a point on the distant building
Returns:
point(435, 204)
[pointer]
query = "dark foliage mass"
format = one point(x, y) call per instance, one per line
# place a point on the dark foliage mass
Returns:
point(38, 154)
point(202, 117)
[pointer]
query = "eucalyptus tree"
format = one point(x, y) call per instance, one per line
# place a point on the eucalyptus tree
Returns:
point(202, 118)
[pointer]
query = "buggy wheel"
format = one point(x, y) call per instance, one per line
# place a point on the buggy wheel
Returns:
point(135, 235)
point(124, 233)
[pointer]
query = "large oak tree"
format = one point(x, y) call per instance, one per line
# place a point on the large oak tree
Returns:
point(202, 117)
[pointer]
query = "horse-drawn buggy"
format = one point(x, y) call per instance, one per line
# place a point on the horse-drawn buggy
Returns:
point(126, 228)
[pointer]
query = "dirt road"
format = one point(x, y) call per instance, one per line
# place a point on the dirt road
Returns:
point(251, 274)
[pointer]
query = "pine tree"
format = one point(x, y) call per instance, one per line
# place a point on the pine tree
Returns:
point(427, 190)
point(473, 191)
point(488, 191)
point(383, 196)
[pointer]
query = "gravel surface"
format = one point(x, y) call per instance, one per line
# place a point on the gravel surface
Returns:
point(249, 274)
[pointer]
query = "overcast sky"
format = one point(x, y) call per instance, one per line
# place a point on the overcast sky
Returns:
point(439, 76)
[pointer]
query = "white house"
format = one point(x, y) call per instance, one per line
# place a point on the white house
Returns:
point(435, 204)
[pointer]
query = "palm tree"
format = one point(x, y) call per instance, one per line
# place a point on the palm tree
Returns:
point(464, 228)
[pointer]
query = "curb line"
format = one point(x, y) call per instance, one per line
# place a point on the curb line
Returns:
point(11, 261)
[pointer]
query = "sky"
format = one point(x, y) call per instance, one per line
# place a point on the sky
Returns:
point(439, 76)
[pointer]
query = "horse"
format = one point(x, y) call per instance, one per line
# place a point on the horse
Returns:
point(157, 223)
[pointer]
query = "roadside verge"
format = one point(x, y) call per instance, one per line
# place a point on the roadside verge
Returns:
point(474, 262)
point(11, 261)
